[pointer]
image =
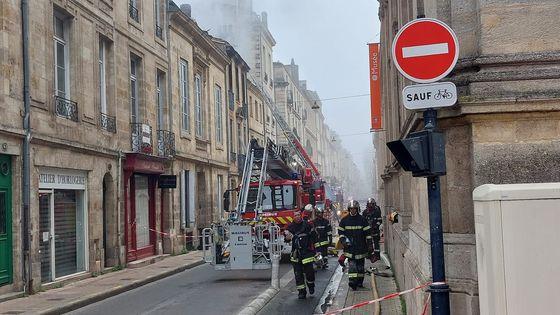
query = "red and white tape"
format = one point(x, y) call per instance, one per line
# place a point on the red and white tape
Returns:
point(386, 297)
point(176, 235)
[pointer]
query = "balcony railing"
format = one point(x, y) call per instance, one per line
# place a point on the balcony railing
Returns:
point(66, 108)
point(108, 123)
point(159, 32)
point(141, 136)
point(166, 143)
point(233, 157)
point(133, 12)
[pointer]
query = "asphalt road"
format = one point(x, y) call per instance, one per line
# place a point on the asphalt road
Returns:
point(287, 303)
point(200, 290)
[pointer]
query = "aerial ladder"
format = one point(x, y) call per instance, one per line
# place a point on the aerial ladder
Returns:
point(237, 244)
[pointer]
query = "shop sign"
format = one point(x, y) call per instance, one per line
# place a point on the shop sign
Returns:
point(62, 179)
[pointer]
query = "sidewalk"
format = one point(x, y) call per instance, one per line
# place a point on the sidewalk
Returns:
point(374, 287)
point(91, 290)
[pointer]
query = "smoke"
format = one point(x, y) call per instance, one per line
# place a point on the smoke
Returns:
point(231, 20)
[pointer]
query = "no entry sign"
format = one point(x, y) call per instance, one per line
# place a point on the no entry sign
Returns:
point(425, 50)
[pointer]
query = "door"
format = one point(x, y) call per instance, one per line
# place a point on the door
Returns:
point(143, 218)
point(5, 220)
point(45, 246)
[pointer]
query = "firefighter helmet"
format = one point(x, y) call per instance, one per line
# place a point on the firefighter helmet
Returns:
point(308, 207)
point(353, 204)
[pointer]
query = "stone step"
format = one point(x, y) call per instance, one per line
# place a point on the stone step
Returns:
point(146, 261)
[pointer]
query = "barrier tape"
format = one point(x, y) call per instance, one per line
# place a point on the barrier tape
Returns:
point(426, 303)
point(176, 235)
point(386, 297)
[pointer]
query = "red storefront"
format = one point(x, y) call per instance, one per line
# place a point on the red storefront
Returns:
point(141, 173)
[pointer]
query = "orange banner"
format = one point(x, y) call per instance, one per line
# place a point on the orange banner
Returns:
point(375, 86)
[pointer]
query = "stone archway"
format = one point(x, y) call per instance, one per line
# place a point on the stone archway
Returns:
point(110, 237)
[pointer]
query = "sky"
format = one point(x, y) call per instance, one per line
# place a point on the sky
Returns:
point(328, 40)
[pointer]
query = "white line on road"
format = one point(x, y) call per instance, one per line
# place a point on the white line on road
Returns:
point(425, 50)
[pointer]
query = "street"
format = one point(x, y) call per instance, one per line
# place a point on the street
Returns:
point(202, 290)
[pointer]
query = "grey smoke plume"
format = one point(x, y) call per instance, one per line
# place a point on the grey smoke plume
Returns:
point(231, 20)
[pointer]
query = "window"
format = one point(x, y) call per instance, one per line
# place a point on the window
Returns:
point(250, 105)
point(184, 89)
point(102, 77)
point(283, 197)
point(236, 83)
point(160, 97)
point(133, 11)
point(134, 66)
point(159, 29)
point(239, 140)
point(220, 193)
point(61, 60)
point(256, 110)
point(231, 136)
point(219, 123)
point(198, 106)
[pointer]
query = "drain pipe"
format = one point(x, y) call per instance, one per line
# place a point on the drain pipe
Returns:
point(119, 185)
point(26, 191)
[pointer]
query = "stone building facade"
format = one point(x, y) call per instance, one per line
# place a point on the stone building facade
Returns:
point(118, 99)
point(504, 129)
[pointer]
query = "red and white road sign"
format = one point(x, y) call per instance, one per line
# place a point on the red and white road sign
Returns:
point(425, 50)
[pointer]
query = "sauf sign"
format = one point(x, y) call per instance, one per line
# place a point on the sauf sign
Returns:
point(435, 95)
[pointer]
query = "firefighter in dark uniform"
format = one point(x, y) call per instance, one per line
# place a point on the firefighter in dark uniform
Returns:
point(355, 234)
point(302, 236)
point(373, 216)
point(324, 235)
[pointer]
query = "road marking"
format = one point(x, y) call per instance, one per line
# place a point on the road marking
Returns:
point(425, 50)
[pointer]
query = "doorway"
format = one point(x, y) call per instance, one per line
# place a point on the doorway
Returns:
point(6, 263)
point(142, 217)
point(62, 223)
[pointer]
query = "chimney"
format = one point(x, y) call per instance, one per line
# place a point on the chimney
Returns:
point(186, 8)
point(264, 17)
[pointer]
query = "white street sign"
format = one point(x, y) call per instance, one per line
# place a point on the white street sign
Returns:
point(433, 95)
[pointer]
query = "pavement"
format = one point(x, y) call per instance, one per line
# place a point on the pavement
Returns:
point(81, 293)
point(378, 284)
point(286, 302)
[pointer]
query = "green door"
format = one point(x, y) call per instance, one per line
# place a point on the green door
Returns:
point(5, 220)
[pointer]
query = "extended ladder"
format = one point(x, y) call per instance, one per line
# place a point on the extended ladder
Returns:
point(254, 171)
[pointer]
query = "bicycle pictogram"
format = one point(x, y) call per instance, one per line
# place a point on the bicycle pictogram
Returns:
point(443, 94)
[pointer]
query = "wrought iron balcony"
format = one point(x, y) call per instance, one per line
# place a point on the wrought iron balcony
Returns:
point(159, 32)
point(166, 143)
point(141, 136)
point(108, 123)
point(133, 12)
point(66, 108)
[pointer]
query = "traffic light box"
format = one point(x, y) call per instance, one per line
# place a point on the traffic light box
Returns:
point(422, 153)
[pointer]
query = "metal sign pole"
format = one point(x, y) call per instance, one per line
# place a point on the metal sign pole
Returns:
point(439, 292)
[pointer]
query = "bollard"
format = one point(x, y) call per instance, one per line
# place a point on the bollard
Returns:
point(275, 278)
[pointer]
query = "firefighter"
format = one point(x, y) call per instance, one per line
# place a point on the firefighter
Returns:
point(355, 233)
point(372, 214)
point(302, 236)
point(323, 229)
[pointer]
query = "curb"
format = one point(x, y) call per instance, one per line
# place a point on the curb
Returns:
point(260, 302)
point(87, 300)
